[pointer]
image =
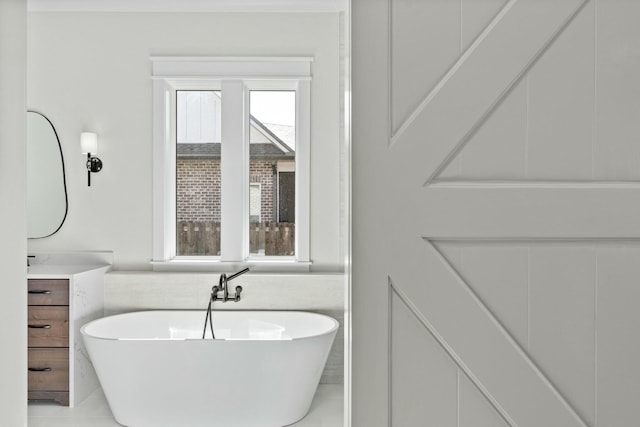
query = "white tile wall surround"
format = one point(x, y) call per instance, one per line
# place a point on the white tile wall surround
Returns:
point(323, 293)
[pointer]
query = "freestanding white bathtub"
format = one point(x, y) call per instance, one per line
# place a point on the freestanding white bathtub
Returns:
point(262, 369)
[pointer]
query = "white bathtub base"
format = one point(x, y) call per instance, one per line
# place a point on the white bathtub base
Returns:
point(157, 381)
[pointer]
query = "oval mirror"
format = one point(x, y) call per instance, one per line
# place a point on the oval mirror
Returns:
point(46, 184)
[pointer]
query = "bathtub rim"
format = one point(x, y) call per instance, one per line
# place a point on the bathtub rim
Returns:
point(333, 329)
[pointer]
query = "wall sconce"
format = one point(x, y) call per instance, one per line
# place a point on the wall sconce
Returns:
point(89, 145)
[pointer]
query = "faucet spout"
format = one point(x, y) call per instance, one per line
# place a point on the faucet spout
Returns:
point(222, 286)
point(234, 275)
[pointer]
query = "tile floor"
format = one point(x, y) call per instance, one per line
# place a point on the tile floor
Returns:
point(326, 411)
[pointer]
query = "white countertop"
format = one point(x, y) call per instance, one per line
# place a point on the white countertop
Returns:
point(56, 271)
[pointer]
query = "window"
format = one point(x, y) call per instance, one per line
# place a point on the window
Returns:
point(231, 162)
point(272, 143)
point(198, 189)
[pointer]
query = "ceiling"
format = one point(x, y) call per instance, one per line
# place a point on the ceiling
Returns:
point(187, 5)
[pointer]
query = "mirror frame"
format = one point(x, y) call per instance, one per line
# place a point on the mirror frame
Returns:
point(64, 179)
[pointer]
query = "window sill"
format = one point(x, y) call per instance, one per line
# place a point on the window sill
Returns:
point(275, 265)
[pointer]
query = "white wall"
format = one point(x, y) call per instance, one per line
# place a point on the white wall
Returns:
point(90, 71)
point(13, 154)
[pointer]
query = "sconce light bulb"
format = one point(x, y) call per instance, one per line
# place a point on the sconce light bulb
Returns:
point(89, 143)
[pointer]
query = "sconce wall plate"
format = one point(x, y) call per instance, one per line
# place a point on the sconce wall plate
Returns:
point(94, 164)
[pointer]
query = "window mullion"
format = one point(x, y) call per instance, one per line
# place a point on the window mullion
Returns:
point(303, 165)
point(234, 178)
point(164, 227)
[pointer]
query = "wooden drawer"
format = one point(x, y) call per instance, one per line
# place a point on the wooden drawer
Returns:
point(48, 326)
point(48, 292)
point(48, 369)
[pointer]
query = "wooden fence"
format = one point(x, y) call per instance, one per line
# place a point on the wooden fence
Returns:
point(265, 238)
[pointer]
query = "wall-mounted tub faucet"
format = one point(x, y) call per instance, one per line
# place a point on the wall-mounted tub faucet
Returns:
point(222, 286)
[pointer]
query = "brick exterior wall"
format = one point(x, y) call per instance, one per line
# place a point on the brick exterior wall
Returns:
point(198, 188)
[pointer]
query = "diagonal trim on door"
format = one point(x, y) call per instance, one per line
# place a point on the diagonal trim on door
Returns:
point(523, 352)
point(422, 320)
point(515, 39)
point(455, 312)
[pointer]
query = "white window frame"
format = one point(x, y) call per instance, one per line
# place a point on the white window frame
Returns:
point(235, 76)
point(282, 166)
point(258, 186)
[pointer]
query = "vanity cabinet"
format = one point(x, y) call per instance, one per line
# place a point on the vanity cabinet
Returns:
point(61, 300)
point(48, 332)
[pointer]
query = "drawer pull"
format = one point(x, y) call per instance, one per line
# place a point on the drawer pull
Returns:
point(39, 369)
point(40, 292)
point(39, 326)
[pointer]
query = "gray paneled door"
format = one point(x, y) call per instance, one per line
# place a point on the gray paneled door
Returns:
point(496, 213)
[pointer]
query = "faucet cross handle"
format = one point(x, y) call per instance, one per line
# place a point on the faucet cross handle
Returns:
point(238, 290)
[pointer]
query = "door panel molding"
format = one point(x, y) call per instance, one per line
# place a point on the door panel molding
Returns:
point(515, 39)
point(533, 183)
point(429, 329)
point(475, 339)
point(423, 380)
point(405, 208)
point(524, 212)
point(422, 147)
